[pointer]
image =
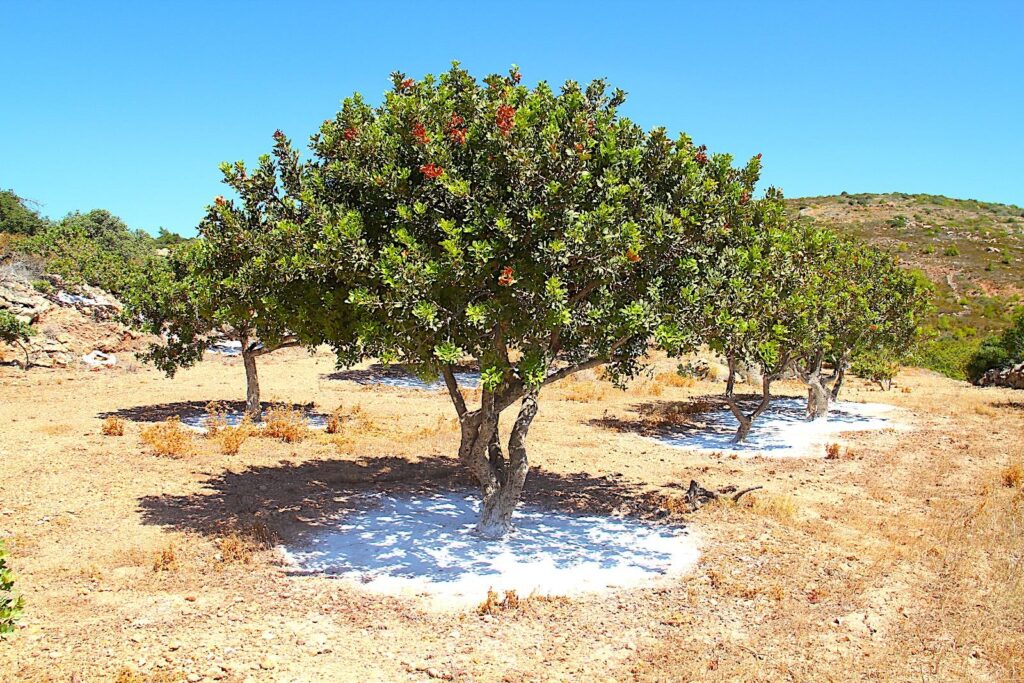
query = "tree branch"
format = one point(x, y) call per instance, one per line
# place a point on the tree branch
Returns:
point(453, 390)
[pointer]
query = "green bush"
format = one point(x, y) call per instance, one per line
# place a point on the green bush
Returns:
point(998, 351)
point(42, 286)
point(949, 356)
point(951, 250)
point(10, 604)
point(877, 367)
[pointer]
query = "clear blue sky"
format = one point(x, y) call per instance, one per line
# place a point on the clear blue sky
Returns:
point(131, 106)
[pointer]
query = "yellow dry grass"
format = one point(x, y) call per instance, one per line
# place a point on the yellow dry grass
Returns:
point(112, 426)
point(169, 438)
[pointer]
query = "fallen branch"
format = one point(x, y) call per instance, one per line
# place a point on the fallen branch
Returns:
point(697, 496)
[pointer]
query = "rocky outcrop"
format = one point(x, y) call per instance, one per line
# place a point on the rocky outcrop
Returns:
point(1011, 377)
point(72, 324)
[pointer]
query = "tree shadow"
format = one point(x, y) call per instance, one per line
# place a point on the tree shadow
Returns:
point(291, 503)
point(193, 410)
point(667, 418)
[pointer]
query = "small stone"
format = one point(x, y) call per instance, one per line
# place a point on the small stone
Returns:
point(174, 645)
point(193, 678)
point(269, 662)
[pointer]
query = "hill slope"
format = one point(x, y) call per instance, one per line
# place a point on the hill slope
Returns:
point(973, 252)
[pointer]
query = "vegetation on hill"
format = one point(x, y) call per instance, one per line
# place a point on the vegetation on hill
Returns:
point(94, 248)
point(971, 252)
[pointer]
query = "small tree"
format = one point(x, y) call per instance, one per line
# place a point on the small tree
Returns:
point(746, 295)
point(860, 302)
point(537, 232)
point(15, 331)
point(220, 285)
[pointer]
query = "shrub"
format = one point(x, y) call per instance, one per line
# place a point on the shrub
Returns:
point(951, 250)
point(998, 351)
point(42, 286)
point(287, 424)
point(232, 438)
point(1013, 476)
point(113, 426)
point(14, 331)
point(10, 604)
point(832, 451)
point(169, 438)
point(880, 368)
point(492, 604)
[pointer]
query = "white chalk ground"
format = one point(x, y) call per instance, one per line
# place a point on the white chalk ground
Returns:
point(783, 431)
point(234, 418)
point(402, 380)
point(424, 545)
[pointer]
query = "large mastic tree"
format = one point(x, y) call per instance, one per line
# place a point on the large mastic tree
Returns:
point(535, 231)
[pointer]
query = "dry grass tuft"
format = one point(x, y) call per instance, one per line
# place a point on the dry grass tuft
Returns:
point(166, 559)
point(1013, 476)
point(832, 451)
point(231, 439)
point(236, 549)
point(583, 390)
point(674, 379)
point(169, 438)
point(493, 605)
point(113, 426)
point(334, 421)
point(781, 508)
point(678, 413)
point(285, 423)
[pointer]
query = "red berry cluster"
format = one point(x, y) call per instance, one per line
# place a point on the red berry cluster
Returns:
point(406, 85)
point(505, 118)
point(457, 134)
point(516, 77)
point(701, 156)
point(591, 126)
point(420, 133)
point(278, 135)
point(758, 157)
point(745, 198)
point(220, 201)
point(506, 278)
point(351, 133)
point(431, 171)
point(632, 256)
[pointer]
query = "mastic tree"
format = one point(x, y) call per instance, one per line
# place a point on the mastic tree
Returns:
point(533, 230)
point(747, 293)
point(219, 286)
point(15, 331)
point(18, 217)
point(860, 302)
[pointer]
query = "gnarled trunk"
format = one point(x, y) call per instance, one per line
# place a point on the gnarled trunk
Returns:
point(840, 375)
point(817, 394)
point(747, 421)
point(252, 382)
point(501, 479)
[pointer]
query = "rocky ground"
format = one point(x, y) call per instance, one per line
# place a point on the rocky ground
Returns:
point(74, 325)
point(896, 559)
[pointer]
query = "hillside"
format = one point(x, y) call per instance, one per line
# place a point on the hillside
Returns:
point(972, 251)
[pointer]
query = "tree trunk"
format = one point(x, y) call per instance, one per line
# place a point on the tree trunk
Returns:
point(501, 480)
point(500, 502)
point(28, 360)
point(730, 382)
point(840, 375)
point(817, 394)
point(252, 382)
point(747, 421)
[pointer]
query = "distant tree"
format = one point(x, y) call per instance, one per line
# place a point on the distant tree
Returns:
point(17, 217)
point(166, 239)
point(14, 331)
point(537, 232)
point(95, 248)
point(218, 286)
point(860, 301)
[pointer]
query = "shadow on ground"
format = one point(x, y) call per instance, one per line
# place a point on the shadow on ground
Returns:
point(191, 410)
point(292, 502)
